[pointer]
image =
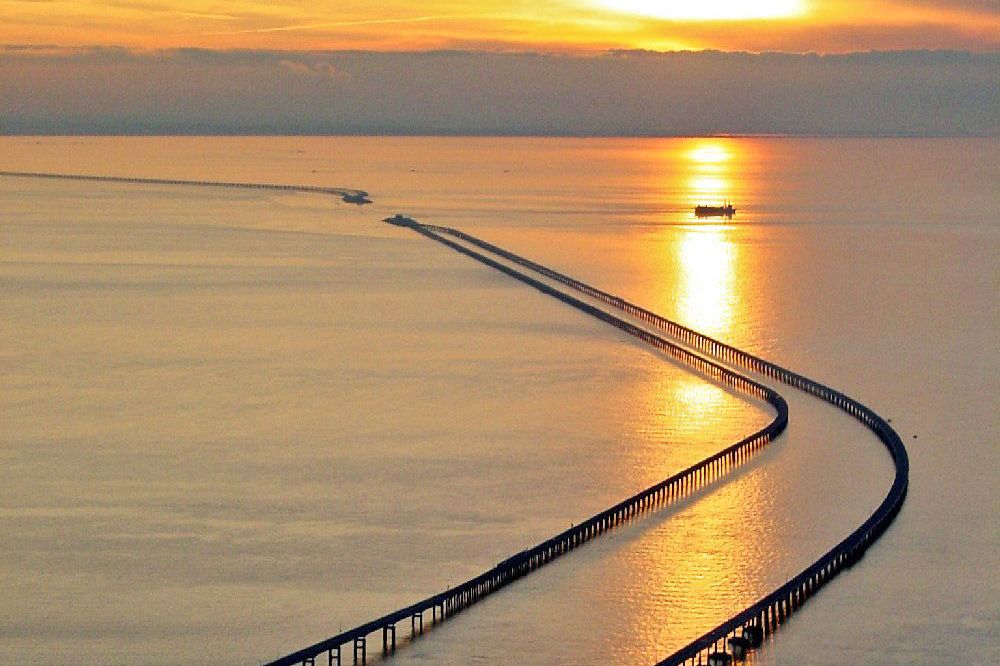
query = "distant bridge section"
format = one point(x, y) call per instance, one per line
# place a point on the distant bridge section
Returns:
point(359, 197)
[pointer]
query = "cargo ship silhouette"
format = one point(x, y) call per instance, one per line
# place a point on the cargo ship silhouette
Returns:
point(726, 210)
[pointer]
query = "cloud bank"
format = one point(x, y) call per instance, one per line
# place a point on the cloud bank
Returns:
point(196, 91)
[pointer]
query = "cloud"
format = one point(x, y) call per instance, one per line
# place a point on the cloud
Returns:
point(898, 93)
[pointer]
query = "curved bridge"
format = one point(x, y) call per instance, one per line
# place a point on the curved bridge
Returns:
point(720, 645)
point(744, 631)
point(674, 488)
point(359, 197)
point(747, 629)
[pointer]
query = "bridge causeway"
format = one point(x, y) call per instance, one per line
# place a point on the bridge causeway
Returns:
point(720, 645)
point(346, 195)
point(676, 487)
point(746, 630)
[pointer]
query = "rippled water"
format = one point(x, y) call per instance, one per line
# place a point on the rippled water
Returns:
point(237, 422)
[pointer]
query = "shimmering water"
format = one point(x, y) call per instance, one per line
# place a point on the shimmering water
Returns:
point(237, 422)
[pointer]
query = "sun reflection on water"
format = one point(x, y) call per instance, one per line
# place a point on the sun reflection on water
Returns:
point(706, 282)
point(710, 169)
point(703, 563)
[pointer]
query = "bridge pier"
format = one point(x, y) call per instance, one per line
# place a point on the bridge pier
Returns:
point(360, 648)
point(330, 656)
point(388, 631)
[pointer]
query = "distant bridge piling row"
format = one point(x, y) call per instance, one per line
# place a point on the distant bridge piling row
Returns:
point(729, 640)
point(346, 195)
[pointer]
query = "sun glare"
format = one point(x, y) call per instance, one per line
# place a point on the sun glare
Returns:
point(709, 153)
point(707, 10)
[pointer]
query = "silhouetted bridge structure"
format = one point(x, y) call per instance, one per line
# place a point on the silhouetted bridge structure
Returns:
point(682, 484)
point(740, 633)
point(722, 644)
point(346, 195)
point(747, 629)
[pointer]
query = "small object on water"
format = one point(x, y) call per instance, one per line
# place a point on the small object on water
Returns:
point(726, 210)
point(401, 220)
point(359, 197)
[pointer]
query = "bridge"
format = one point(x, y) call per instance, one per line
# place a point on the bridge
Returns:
point(353, 642)
point(359, 197)
point(720, 645)
point(744, 631)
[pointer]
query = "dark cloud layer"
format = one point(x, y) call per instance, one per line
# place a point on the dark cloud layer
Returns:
point(197, 91)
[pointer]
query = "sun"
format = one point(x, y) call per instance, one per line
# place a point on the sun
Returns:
point(707, 10)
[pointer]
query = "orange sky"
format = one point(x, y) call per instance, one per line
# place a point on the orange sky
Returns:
point(555, 25)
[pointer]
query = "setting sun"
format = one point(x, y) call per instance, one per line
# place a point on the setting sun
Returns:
point(708, 10)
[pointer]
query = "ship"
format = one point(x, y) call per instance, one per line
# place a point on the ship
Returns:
point(726, 210)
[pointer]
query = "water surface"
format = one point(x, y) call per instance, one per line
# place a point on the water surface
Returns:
point(237, 422)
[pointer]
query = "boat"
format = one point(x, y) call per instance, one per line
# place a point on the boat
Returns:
point(360, 198)
point(401, 220)
point(725, 210)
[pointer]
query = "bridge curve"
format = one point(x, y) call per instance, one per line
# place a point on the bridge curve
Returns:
point(729, 639)
point(347, 195)
point(671, 489)
point(745, 630)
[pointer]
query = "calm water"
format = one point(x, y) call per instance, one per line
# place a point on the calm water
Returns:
point(237, 422)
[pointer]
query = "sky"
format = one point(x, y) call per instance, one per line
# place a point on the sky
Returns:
point(823, 26)
point(593, 67)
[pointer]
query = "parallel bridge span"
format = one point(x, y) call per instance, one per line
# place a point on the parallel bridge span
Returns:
point(719, 645)
point(730, 639)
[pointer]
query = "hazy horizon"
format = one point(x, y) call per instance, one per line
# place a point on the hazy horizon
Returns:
point(625, 92)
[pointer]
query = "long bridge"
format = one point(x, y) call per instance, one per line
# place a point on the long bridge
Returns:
point(722, 644)
point(669, 490)
point(347, 195)
point(746, 630)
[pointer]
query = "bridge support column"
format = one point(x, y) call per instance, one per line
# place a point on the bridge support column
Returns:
point(330, 656)
point(388, 638)
point(415, 620)
point(360, 650)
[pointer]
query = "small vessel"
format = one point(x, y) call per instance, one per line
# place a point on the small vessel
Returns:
point(360, 198)
point(726, 210)
point(401, 220)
